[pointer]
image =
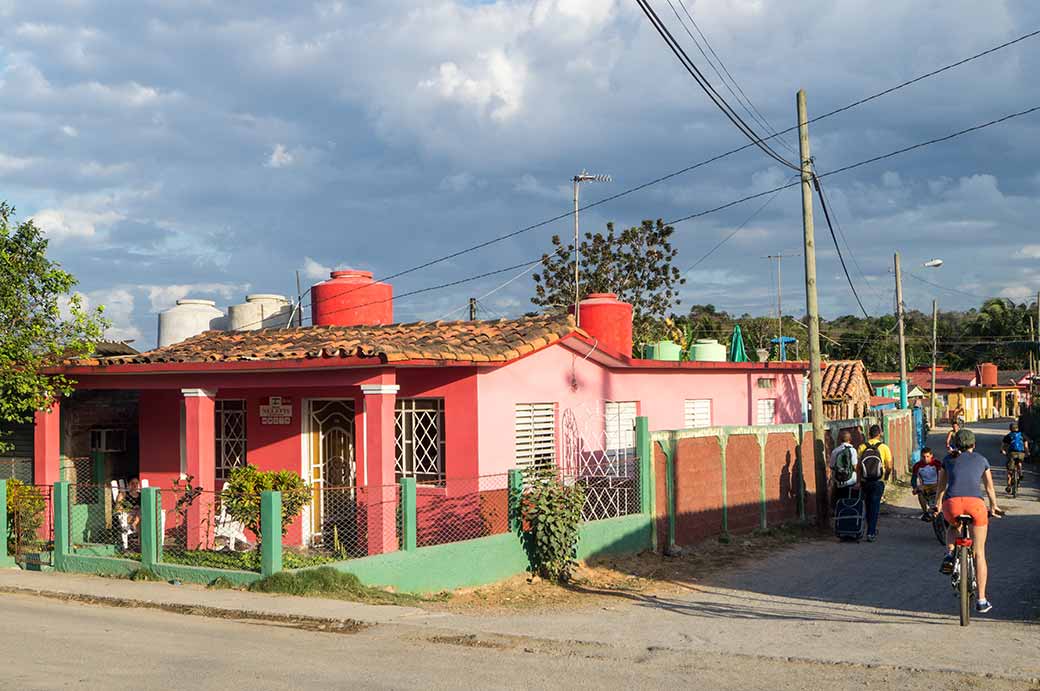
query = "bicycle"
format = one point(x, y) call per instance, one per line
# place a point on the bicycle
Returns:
point(963, 577)
point(1015, 474)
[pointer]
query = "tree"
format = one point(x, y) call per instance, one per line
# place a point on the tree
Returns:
point(42, 322)
point(636, 264)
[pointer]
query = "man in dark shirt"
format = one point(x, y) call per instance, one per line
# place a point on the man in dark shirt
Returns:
point(1015, 447)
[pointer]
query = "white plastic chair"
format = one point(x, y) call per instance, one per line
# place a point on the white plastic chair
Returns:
point(231, 530)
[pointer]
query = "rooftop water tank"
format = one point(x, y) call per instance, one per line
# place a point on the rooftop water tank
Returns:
point(707, 350)
point(260, 311)
point(987, 374)
point(189, 318)
point(663, 350)
point(608, 320)
point(352, 298)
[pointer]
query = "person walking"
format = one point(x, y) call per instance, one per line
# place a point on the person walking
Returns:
point(843, 462)
point(874, 467)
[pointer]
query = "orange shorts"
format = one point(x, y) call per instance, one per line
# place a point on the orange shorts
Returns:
point(959, 506)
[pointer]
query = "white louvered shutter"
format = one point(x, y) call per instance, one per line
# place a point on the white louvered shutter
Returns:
point(697, 412)
point(766, 411)
point(620, 424)
point(535, 425)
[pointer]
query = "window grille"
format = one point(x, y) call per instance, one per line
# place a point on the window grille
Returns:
point(697, 412)
point(535, 433)
point(231, 437)
point(620, 424)
point(766, 411)
point(766, 383)
point(420, 438)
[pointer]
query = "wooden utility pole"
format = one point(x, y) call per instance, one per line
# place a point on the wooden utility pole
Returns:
point(902, 336)
point(472, 309)
point(813, 309)
point(935, 351)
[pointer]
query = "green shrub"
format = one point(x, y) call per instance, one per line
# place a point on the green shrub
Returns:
point(243, 492)
point(550, 515)
point(221, 583)
point(25, 509)
point(144, 575)
point(328, 582)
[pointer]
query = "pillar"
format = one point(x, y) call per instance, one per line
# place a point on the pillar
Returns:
point(149, 528)
point(380, 466)
point(270, 532)
point(5, 558)
point(200, 463)
point(408, 513)
point(47, 446)
point(60, 518)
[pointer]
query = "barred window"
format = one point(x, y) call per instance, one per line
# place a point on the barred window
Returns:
point(230, 424)
point(766, 411)
point(420, 438)
point(535, 433)
point(697, 412)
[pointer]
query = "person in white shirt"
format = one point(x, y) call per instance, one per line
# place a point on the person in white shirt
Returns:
point(843, 461)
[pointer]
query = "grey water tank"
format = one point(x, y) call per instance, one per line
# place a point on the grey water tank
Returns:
point(260, 311)
point(189, 318)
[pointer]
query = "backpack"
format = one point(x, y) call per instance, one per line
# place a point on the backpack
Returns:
point(1017, 444)
point(844, 468)
point(873, 465)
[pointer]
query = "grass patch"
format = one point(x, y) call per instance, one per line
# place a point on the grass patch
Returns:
point(240, 561)
point(144, 575)
point(328, 582)
point(221, 583)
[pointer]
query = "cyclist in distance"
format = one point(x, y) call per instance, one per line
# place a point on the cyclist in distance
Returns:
point(950, 446)
point(959, 494)
point(1015, 447)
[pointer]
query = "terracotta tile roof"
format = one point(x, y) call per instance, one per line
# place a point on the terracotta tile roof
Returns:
point(882, 400)
point(465, 341)
point(944, 381)
point(839, 377)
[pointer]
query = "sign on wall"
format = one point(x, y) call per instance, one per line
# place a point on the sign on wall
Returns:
point(278, 411)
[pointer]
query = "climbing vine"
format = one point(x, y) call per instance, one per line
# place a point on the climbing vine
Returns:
point(550, 515)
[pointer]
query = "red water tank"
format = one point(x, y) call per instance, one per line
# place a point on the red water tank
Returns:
point(987, 374)
point(351, 298)
point(608, 320)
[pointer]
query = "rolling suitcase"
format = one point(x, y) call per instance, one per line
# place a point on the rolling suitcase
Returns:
point(850, 517)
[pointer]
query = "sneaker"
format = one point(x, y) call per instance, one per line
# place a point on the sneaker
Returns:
point(983, 606)
point(947, 565)
point(1007, 490)
point(871, 538)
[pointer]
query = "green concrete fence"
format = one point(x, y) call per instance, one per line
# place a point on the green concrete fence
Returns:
point(5, 558)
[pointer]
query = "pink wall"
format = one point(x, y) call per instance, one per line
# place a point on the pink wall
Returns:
point(558, 375)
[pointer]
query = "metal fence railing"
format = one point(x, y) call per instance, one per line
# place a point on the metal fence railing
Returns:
point(611, 488)
point(31, 537)
point(462, 509)
point(353, 522)
point(194, 529)
point(104, 519)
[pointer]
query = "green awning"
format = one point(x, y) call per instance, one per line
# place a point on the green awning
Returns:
point(736, 346)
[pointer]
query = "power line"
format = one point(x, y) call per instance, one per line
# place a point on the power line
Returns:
point(742, 98)
point(705, 85)
point(695, 166)
point(947, 288)
point(837, 247)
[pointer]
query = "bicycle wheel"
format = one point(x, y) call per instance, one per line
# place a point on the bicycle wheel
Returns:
point(1015, 480)
point(963, 559)
point(939, 527)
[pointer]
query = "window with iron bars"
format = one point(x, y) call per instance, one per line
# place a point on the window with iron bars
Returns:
point(419, 425)
point(230, 424)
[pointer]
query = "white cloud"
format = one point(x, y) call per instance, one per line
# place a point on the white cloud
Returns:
point(69, 131)
point(495, 86)
point(280, 157)
point(529, 184)
point(14, 164)
point(459, 182)
point(118, 310)
point(1029, 252)
point(163, 297)
point(314, 270)
point(64, 224)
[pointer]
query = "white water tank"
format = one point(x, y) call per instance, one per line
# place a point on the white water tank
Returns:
point(260, 311)
point(188, 318)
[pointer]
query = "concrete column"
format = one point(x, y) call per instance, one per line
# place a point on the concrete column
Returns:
point(380, 466)
point(408, 513)
point(270, 533)
point(60, 505)
point(516, 491)
point(200, 461)
point(149, 527)
point(47, 446)
point(5, 558)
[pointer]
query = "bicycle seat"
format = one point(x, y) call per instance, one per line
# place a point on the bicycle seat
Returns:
point(965, 518)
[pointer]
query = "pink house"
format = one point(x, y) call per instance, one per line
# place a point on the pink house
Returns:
point(354, 403)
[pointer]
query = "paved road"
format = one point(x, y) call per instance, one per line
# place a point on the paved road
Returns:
point(873, 603)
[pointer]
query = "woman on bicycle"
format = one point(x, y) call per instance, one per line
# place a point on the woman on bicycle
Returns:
point(959, 495)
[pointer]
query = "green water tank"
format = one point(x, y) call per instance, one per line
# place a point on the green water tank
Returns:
point(663, 350)
point(707, 350)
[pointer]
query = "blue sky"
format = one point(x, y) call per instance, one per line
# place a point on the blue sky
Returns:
point(210, 149)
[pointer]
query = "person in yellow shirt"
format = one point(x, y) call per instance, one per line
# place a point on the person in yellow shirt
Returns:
point(874, 466)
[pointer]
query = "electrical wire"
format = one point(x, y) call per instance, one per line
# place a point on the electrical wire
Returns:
point(837, 247)
point(947, 288)
point(491, 292)
point(742, 98)
point(699, 164)
point(705, 85)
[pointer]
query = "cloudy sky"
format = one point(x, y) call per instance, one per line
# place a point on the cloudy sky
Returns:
point(209, 149)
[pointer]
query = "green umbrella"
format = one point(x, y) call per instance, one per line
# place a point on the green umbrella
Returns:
point(736, 346)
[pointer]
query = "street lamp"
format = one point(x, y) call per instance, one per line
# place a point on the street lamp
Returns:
point(931, 264)
point(581, 177)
